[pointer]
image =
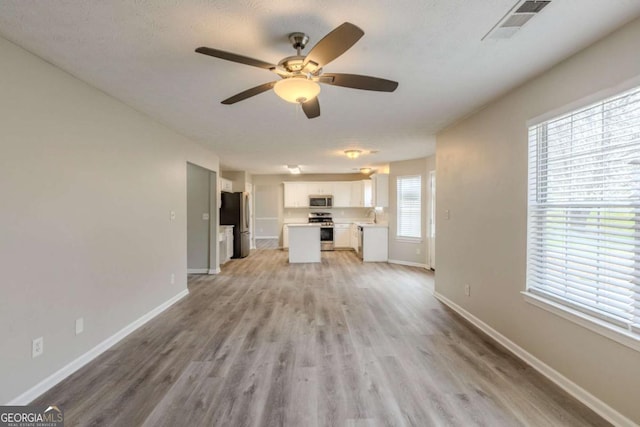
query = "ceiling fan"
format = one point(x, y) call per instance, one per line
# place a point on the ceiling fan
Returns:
point(300, 74)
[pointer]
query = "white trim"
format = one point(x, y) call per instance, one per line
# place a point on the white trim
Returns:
point(214, 271)
point(197, 271)
point(62, 373)
point(617, 334)
point(595, 404)
point(585, 101)
point(267, 237)
point(408, 263)
point(404, 239)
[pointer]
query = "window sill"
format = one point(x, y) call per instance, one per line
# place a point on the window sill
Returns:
point(408, 239)
point(615, 333)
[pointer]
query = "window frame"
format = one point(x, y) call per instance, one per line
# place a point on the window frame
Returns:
point(628, 336)
point(399, 207)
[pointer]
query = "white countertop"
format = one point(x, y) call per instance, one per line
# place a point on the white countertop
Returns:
point(306, 224)
point(226, 226)
point(371, 225)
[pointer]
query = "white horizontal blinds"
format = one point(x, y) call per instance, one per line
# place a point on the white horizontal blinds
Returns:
point(584, 210)
point(409, 206)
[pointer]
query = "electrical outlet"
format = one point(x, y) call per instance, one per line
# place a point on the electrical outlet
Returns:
point(417, 251)
point(447, 214)
point(79, 325)
point(37, 347)
point(467, 290)
point(173, 279)
point(205, 217)
point(172, 215)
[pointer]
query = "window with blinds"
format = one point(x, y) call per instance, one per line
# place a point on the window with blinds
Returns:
point(409, 206)
point(584, 210)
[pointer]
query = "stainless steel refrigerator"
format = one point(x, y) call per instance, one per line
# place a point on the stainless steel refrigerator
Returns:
point(235, 211)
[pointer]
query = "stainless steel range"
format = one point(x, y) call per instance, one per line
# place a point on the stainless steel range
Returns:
point(326, 229)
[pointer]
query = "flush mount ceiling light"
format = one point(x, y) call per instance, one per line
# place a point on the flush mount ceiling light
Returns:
point(365, 170)
point(294, 169)
point(353, 154)
point(297, 90)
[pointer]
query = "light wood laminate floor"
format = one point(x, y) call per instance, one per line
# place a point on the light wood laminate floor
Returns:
point(339, 343)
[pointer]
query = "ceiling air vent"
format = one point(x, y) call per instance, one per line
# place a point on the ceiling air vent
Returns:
point(519, 15)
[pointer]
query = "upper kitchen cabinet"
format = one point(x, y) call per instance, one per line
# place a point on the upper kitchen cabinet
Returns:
point(320, 188)
point(296, 195)
point(226, 185)
point(380, 190)
point(342, 194)
point(361, 194)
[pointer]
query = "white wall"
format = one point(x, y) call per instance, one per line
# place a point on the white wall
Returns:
point(86, 187)
point(482, 180)
point(402, 250)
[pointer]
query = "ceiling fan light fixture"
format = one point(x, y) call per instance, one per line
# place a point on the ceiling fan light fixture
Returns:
point(353, 154)
point(297, 90)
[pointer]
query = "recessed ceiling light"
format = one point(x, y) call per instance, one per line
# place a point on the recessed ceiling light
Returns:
point(353, 154)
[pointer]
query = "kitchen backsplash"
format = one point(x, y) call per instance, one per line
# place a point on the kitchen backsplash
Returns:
point(338, 214)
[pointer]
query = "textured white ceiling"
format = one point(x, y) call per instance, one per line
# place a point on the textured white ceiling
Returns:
point(142, 52)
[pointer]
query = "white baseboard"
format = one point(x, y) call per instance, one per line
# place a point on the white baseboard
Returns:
point(407, 263)
point(214, 271)
point(595, 404)
point(53, 379)
point(197, 271)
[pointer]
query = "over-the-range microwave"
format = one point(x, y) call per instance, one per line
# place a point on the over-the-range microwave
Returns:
point(320, 201)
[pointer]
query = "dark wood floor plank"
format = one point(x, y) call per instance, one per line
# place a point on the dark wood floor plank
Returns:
point(338, 343)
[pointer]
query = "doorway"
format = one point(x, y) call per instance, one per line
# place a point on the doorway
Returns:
point(202, 221)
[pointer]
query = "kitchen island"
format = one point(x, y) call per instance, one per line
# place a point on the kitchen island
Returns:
point(304, 243)
point(373, 242)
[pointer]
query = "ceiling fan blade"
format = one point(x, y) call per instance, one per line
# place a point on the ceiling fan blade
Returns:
point(334, 44)
point(311, 108)
point(235, 58)
point(249, 93)
point(356, 81)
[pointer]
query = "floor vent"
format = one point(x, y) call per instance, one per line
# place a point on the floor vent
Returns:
point(519, 15)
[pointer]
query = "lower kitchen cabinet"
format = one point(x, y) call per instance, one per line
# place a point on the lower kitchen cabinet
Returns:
point(226, 243)
point(342, 236)
point(375, 244)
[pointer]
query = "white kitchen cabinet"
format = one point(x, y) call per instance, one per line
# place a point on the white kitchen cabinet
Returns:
point(342, 194)
point(361, 196)
point(320, 188)
point(226, 185)
point(296, 195)
point(226, 243)
point(375, 244)
point(353, 230)
point(357, 194)
point(342, 235)
point(380, 190)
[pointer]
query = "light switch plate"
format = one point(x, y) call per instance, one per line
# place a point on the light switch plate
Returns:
point(205, 217)
point(79, 325)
